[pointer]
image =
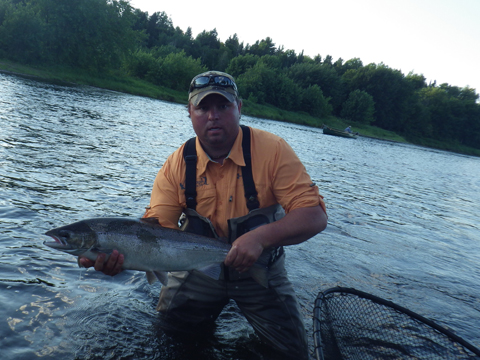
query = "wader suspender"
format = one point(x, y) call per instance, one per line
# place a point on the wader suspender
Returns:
point(190, 156)
point(247, 175)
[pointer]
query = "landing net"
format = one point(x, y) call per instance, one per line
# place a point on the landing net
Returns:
point(350, 324)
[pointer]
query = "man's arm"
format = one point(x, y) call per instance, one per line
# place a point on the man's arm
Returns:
point(296, 227)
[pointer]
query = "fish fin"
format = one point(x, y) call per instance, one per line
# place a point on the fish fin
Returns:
point(162, 276)
point(259, 274)
point(212, 271)
point(153, 276)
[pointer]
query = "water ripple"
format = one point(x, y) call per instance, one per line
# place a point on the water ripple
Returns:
point(403, 224)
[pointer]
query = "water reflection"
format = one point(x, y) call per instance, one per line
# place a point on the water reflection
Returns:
point(403, 224)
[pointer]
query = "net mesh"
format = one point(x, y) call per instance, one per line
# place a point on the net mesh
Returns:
point(350, 324)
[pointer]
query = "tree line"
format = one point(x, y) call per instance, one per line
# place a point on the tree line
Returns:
point(105, 35)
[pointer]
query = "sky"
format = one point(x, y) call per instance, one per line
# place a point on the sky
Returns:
point(439, 39)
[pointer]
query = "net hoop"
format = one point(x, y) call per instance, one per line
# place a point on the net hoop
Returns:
point(321, 312)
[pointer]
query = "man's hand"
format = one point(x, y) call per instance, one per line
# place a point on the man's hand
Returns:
point(296, 227)
point(112, 266)
point(244, 252)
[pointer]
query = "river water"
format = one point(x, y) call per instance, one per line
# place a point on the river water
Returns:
point(403, 225)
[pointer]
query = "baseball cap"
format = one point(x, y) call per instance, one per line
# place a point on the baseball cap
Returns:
point(212, 82)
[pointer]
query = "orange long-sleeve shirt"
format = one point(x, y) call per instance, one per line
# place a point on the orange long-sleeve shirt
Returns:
point(278, 174)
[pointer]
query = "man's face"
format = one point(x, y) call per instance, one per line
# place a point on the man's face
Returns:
point(216, 122)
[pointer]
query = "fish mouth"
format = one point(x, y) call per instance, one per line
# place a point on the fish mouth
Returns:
point(57, 244)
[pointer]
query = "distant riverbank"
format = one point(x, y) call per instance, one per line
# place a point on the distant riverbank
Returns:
point(122, 83)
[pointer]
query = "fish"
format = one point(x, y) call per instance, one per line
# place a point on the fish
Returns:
point(148, 246)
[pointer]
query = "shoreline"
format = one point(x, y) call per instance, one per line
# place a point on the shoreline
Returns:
point(125, 84)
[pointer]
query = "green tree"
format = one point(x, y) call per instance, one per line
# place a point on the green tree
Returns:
point(328, 60)
point(390, 91)
point(314, 103)
point(140, 64)
point(324, 76)
point(470, 134)
point(22, 33)
point(262, 47)
point(207, 47)
point(437, 102)
point(91, 34)
point(271, 61)
point(176, 70)
point(140, 22)
point(359, 107)
point(453, 113)
point(160, 29)
point(468, 94)
point(288, 58)
point(240, 64)
point(352, 64)
point(266, 86)
point(182, 40)
point(417, 81)
point(234, 45)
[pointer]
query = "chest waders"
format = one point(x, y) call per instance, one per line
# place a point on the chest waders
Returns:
point(191, 302)
point(195, 223)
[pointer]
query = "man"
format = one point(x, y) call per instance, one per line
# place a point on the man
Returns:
point(249, 210)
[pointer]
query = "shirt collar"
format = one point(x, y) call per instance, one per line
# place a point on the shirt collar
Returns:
point(236, 154)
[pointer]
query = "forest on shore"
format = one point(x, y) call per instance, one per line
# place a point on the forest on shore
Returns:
point(111, 37)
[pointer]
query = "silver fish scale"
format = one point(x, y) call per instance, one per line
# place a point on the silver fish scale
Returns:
point(147, 246)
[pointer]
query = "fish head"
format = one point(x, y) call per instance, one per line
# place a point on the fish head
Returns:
point(74, 239)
